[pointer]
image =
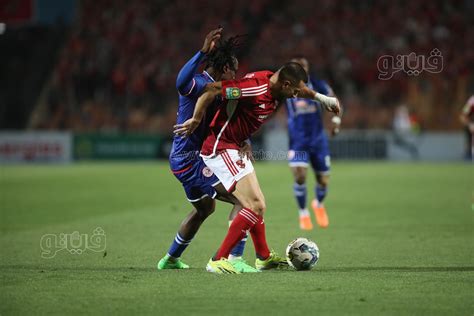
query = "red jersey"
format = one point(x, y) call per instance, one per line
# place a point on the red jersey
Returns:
point(468, 109)
point(247, 103)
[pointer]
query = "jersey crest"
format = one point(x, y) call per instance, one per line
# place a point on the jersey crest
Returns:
point(232, 93)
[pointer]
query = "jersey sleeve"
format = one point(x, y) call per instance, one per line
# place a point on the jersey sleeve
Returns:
point(323, 88)
point(185, 82)
point(199, 83)
point(246, 88)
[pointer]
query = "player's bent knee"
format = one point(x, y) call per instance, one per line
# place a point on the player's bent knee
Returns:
point(323, 180)
point(299, 175)
point(205, 207)
point(259, 206)
point(300, 179)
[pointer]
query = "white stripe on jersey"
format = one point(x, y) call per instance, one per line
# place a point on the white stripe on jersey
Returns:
point(255, 93)
point(219, 136)
point(191, 90)
point(232, 103)
point(254, 88)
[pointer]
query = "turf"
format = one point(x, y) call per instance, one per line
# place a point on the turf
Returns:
point(401, 241)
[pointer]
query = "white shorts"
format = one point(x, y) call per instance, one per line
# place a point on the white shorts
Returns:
point(229, 167)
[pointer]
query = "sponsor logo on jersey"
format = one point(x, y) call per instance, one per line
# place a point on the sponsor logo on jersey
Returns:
point(232, 93)
point(262, 117)
point(304, 107)
point(262, 106)
point(207, 172)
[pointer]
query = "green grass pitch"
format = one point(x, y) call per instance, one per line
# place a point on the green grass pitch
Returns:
point(400, 242)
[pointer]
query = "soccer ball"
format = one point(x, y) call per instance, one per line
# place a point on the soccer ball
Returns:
point(302, 254)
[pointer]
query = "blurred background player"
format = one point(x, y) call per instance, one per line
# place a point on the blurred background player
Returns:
point(309, 145)
point(248, 104)
point(467, 120)
point(406, 131)
point(200, 184)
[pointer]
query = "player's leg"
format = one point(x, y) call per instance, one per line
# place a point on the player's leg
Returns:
point(469, 148)
point(298, 162)
point(237, 252)
point(252, 199)
point(248, 192)
point(237, 172)
point(198, 183)
point(321, 162)
point(187, 230)
point(321, 190)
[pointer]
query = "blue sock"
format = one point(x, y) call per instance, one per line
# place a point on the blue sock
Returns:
point(299, 190)
point(321, 193)
point(238, 250)
point(178, 246)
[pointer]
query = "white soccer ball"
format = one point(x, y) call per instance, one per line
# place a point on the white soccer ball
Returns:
point(302, 254)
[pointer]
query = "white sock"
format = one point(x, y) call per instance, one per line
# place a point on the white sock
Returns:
point(231, 257)
point(304, 212)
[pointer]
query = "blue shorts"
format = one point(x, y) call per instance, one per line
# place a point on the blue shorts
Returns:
point(198, 181)
point(318, 156)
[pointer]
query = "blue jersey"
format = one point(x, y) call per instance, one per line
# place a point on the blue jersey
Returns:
point(305, 120)
point(185, 150)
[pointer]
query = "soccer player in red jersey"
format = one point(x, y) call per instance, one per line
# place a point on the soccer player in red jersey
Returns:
point(247, 103)
point(467, 119)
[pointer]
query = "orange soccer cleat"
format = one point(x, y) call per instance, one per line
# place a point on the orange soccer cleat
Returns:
point(320, 213)
point(305, 222)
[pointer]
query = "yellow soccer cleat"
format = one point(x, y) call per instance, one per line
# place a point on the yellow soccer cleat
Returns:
point(222, 266)
point(242, 266)
point(272, 262)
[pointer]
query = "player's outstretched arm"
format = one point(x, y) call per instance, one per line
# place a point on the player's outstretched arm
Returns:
point(331, 104)
point(184, 81)
point(211, 91)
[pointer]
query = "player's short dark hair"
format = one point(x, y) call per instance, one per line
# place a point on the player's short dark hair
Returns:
point(224, 54)
point(293, 72)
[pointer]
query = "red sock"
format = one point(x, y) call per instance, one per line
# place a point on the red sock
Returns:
point(259, 239)
point(243, 222)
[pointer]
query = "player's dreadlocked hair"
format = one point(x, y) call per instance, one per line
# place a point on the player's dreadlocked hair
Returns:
point(225, 53)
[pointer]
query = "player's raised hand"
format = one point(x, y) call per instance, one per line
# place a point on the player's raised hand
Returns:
point(331, 104)
point(211, 40)
point(187, 128)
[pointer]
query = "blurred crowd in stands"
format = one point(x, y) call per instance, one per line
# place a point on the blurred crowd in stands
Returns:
point(118, 67)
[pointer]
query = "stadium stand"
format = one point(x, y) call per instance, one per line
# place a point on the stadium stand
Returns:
point(117, 66)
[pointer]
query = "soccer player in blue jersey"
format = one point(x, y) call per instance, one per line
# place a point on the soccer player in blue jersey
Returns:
point(200, 184)
point(309, 145)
